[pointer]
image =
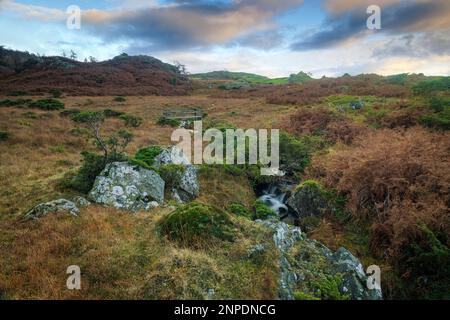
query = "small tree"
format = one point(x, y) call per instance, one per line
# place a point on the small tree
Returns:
point(73, 55)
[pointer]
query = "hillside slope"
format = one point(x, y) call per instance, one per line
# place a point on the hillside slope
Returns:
point(122, 75)
point(252, 78)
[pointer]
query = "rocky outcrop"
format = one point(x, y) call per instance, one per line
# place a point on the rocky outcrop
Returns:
point(128, 187)
point(284, 237)
point(56, 206)
point(187, 187)
point(354, 278)
point(305, 263)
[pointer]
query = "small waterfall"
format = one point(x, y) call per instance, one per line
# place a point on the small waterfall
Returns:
point(275, 199)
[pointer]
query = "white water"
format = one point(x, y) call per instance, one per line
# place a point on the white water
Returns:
point(274, 199)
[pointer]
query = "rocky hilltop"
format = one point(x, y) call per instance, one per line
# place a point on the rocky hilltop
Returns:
point(122, 75)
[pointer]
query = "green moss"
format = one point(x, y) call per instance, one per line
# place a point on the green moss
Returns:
point(328, 288)
point(262, 211)
point(196, 224)
point(171, 174)
point(147, 155)
point(298, 295)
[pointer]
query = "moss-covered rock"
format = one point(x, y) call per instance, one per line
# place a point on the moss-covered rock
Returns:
point(197, 224)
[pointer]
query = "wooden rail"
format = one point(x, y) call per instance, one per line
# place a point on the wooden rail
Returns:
point(183, 114)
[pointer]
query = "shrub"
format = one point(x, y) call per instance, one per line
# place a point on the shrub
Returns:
point(163, 121)
point(120, 99)
point(295, 153)
point(4, 135)
point(47, 104)
point(262, 211)
point(196, 224)
point(93, 165)
point(56, 93)
point(30, 115)
point(431, 86)
point(394, 181)
point(20, 103)
point(69, 113)
point(439, 104)
point(109, 113)
point(147, 155)
point(17, 93)
point(239, 210)
point(131, 120)
point(439, 120)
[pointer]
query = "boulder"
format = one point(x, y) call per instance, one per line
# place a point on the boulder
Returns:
point(354, 277)
point(308, 200)
point(188, 187)
point(128, 187)
point(56, 206)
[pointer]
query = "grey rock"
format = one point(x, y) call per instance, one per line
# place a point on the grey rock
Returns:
point(60, 205)
point(80, 201)
point(128, 187)
point(354, 277)
point(308, 201)
point(284, 237)
point(172, 155)
point(188, 187)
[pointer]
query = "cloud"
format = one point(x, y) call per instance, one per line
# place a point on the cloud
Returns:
point(339, 6)
point(398, 17)
point(177, 24)
point(421, 45)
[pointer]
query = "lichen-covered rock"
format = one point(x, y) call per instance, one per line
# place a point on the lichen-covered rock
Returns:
point(56, 206)
point(128, 187)
point(309, 200)
point(81, 201)
point(326, 275)
point(354, 277)
point(172, 155)
point(188, 188)
point(284, 237)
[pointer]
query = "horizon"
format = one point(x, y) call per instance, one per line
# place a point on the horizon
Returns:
point(314, 77)
point(270, 38)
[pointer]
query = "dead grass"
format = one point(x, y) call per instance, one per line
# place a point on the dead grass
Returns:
point(120, 255)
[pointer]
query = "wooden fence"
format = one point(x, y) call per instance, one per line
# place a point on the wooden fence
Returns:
point(183, 114)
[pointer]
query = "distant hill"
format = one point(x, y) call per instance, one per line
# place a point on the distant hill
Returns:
point(251, 78)
point(122, 75)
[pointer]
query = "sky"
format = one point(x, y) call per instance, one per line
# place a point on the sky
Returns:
point(274, 38)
